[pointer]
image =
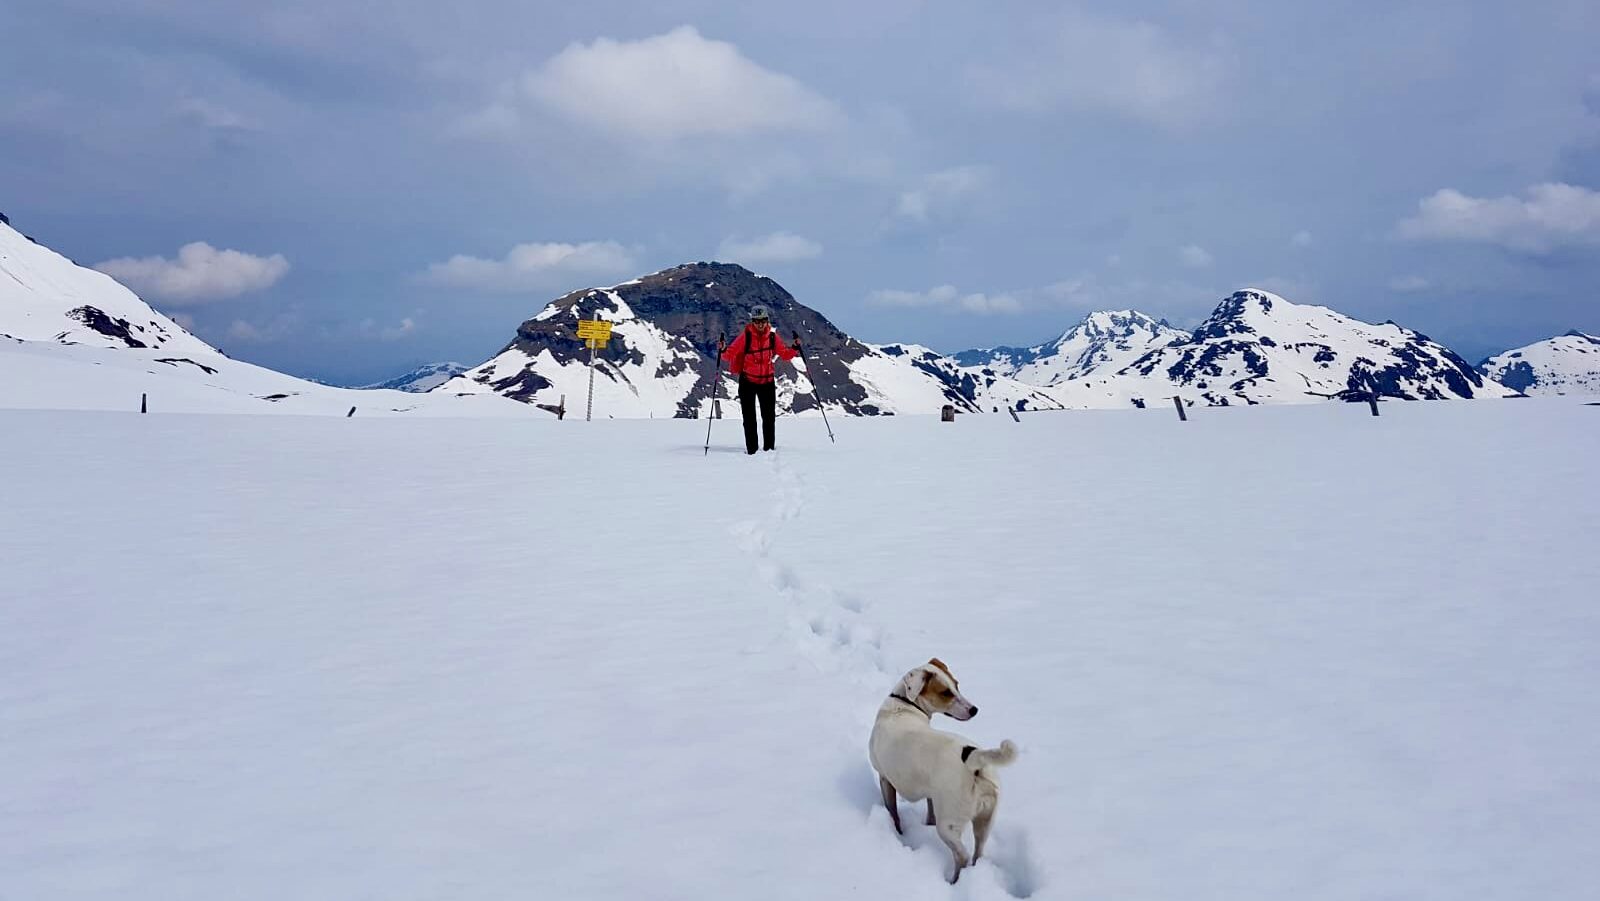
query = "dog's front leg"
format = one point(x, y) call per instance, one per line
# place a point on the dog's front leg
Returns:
point(951, 833)
point(891, 803)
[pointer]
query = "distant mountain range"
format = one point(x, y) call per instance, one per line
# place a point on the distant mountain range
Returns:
point(1104, 341)
point(73, 337)
point(1566, 364)
point(1257, 347)
point(661, 360)
point(424, 378)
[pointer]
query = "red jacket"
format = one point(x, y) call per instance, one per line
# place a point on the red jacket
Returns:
point(750, 356)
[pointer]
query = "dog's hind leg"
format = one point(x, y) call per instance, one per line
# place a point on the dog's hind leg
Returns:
point(951, 834)
point(891, 803)
point(980, 832)
point(931, 821)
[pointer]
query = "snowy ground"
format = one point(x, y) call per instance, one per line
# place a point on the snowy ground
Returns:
point(1272, 653)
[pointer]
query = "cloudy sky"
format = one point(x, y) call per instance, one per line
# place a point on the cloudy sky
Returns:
point(344, 189)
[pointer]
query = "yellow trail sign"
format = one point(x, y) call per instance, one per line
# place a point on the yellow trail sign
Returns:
point(596, 329)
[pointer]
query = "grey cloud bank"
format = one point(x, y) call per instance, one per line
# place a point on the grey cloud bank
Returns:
point(435, 175)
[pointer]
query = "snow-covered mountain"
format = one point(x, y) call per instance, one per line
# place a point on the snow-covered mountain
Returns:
point(73, 338)
point(46, 297)
point(660, 361)
point(1107, 341)
point(1566, 364)
point(424, 378)
point(1257, 347)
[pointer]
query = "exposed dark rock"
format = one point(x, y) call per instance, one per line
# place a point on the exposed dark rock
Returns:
point(173, 361)
point(105, 325)
point(693, 305)
point(1519, 376)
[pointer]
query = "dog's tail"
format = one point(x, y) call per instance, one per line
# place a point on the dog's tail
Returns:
point(1000, 756)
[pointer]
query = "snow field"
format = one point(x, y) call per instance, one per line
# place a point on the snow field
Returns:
point(1287, 652)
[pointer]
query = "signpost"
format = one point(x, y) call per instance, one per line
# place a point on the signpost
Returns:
point(596, 332)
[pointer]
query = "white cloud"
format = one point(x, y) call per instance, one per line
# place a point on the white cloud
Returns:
point(1088, 292)
point(941, 193)
point(369, 328)
point(1085, 293)
point(948, 297)
point(1194, 256)
point(1292, 289)
point(276, 329)
point(778, 247)
point(1301, 238)
point(241, 330)
point(529, 267)
point(1552, 215)
point(1129, 68)
point(394, 333)
point(1407, 283)
point(674, 85)
point(208, 114)
point(200, 273)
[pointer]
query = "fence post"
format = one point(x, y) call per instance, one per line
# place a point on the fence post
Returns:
point(561, 411)
point(351, 413)
point(143, 403)
point(1014, 416)
point(947, 413)
point(1372, 399)
point(1182, 416)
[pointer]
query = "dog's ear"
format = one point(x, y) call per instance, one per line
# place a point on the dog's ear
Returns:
point(911, 683)
point(940, 664)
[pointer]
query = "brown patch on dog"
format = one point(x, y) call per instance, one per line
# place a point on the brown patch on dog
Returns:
point(938, 695)
point(940, 664)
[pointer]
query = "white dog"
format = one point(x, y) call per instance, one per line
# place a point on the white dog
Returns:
point(917, 761)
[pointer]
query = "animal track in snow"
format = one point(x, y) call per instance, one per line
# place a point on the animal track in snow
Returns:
point(831, 627)
point(835, 631)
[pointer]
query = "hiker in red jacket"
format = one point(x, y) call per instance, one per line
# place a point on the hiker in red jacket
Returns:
point(749, 357)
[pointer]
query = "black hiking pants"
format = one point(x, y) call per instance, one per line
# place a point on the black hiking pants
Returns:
point(767, 394)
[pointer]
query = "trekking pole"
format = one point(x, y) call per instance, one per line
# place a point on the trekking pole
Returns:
point(816, 389)
point(716, 380)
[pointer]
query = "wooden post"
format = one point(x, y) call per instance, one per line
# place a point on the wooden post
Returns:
point(143, 405)
point(1014, 416)
point(561, 411)
point(1372, 399)
point(947, 413)
point(351, 413)
point(1182, 416)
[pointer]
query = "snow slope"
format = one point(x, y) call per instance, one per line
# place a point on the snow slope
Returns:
point(1566, 364)
point(46, 297)
point(38, 375)
point(72, 338)
point(1290, 652)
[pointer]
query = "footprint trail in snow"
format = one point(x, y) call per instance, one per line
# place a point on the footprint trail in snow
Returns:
point(835, 632)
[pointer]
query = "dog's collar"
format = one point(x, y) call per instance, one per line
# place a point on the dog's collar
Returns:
point(904, 700)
